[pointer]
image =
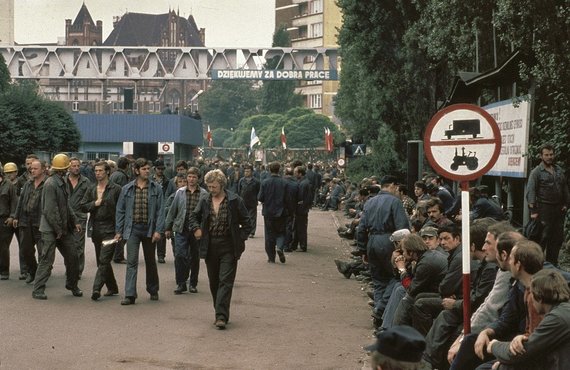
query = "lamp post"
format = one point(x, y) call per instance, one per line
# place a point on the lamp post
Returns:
point(194, 99)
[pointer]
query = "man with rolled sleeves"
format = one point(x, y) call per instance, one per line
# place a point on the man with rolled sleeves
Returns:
point(57, 224)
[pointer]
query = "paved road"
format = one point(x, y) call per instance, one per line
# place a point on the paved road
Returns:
point(302, 314)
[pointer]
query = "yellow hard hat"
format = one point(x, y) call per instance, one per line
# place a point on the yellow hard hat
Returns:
point(10, 167)
point(60, 162)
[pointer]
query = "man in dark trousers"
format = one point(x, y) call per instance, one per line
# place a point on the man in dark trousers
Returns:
point(304, 202)
point(186, 249)
point(382, 215)
point(548, 199)
point(28, 215)
point(221, 223)
point(100, 201)
point(78, 185)
point(291, 190)
point(8, 203)
point(140, 220)
point(121, 178)
point(57, 224)
point(248, 188)
point(272, 195)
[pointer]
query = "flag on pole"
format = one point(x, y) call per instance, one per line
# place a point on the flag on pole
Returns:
point(253, 139)
point(209, 137)
point(328, 140)
point(331, 144)
point(283, 138)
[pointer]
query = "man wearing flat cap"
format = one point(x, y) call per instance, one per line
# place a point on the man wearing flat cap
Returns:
point(400, 347)
point(382, 215)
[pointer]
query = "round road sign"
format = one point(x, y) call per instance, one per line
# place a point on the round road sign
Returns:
point(462, 142)
point(340, 162)
point(165, 147)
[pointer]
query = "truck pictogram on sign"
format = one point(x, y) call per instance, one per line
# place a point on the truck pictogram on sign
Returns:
point(470, 127)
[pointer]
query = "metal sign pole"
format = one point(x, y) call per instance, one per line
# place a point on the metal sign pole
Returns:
point(466, 256)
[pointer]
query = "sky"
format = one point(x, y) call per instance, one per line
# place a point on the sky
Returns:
point(228, 23)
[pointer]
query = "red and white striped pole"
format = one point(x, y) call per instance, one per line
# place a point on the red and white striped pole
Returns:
point(466, 256)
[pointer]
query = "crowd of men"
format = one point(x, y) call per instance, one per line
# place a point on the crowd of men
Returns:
point(408, 253)
point(207, 209)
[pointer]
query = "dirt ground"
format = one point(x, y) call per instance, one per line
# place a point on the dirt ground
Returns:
point(301, 314)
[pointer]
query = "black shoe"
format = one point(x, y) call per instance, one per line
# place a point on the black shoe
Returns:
point(251, 236)
point(127, 301)
point(220, 324)
point(353, 244)
point(4, 277)
point(180, 288)
point(287, 250)
point(303, 249)
point(95, 295)
point(193, 289)
point(23, 276)
point(270, 261)
point(161, 260)
point(343, 268)
point(30, 279)
point(39, 295)
point(154, 297)
point(358, 252)
point(370, 294)
point(121, 261)
point(111, 293)
point(281, 255)
point(77, 292)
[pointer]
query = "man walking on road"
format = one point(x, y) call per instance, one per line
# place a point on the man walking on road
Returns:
point(248, 188)
point(272, 195)
point(221, 223)
point(548, 199)
point(382, 215)
point(28, 215)
point(78, 186)
point(8, 203)
point(304, 203)
point(100, 201)
point(186, 249)
point(140, 220)
point(57, 224)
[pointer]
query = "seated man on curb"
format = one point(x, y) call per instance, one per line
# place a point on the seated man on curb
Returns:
point(548, 347)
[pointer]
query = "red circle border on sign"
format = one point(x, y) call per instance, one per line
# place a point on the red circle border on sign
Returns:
point(428, 149)
point(165, 147)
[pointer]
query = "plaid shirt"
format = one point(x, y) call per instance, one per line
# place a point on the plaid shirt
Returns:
point(140, 211)
point(192, 198)
point(219, 224)
point(408, 204)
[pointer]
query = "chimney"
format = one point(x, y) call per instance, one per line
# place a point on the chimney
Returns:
point(203, 36)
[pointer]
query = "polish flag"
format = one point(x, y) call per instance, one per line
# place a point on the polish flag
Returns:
point(283, 138)
point(209, 137)
point(328, 140)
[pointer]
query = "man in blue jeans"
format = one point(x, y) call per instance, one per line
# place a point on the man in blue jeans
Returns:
point(140, 219)
point(186, 250)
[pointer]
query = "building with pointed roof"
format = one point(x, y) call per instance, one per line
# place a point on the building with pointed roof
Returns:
point(83, 30)
point(6, 22)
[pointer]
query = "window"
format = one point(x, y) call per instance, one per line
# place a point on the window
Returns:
point(315, 101)
point(75, 106)
point(316, 30)
point(316, 6)
point(151, 106)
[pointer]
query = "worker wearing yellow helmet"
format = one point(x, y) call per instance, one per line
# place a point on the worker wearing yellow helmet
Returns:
point(58, 221)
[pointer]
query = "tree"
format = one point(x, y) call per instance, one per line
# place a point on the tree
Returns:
point(279, 96)
point(4, 75)
point(226, 103)
point(30, 123)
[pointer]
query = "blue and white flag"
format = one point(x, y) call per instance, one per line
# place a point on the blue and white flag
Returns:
point(253, 139)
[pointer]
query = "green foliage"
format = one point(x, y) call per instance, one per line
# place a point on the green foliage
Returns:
point(400, 60)
point(4, 75)
point(220, 135)
point(303, 128)
point(279, 96)
point(226, 103)
point(30, 123)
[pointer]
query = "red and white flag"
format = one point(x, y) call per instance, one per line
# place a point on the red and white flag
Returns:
point(209, 137)
point(328, 140)
point(283, 138)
